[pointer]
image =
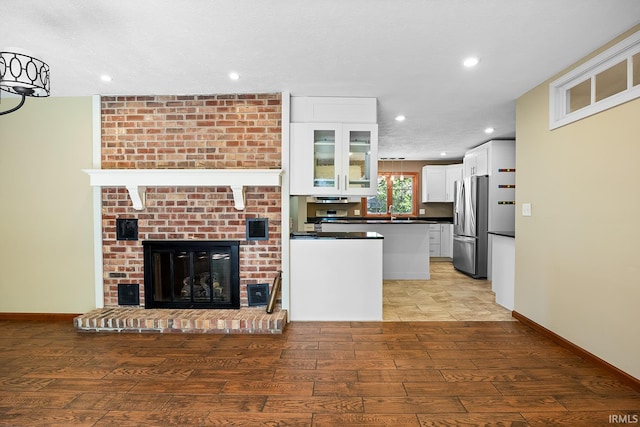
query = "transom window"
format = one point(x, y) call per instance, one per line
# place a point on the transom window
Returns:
point(607, 80)
point(397, 195)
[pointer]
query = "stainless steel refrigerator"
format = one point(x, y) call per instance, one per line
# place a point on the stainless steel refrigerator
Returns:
point(470, 219)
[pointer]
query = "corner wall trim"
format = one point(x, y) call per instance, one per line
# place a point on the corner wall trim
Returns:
point(619, 374)
point(38, 316)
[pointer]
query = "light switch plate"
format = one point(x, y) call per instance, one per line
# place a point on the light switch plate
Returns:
point(526, 209)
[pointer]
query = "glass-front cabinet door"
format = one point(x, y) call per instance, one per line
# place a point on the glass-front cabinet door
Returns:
point(332, 159)
point(325, 174)
point(360, 171)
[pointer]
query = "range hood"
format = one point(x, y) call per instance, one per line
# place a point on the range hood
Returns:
point(333, 199)
point(136, 180)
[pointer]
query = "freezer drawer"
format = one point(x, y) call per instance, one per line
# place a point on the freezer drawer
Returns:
point(464, 254)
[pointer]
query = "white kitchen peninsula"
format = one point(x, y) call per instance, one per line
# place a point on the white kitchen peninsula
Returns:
point(406, 245)
point(336, 277)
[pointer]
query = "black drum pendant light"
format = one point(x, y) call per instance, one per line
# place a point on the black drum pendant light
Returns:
point(24, 75)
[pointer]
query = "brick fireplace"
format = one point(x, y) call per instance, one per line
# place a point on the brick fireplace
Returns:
point(191, 132)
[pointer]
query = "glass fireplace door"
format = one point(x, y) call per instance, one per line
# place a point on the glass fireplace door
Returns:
point(198, 277)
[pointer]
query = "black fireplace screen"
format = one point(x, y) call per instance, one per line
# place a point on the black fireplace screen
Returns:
point(191, 274)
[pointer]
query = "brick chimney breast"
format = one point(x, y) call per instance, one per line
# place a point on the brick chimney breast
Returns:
point(191, 132)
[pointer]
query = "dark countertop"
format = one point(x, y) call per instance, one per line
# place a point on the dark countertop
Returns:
point(504, 233)
point(377, 221)
point(336, 235)
point(383, 220)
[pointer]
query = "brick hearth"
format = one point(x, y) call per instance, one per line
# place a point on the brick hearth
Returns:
point(246, 320)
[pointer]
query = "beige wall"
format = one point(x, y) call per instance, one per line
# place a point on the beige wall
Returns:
point(578, 256)
point(46, 249)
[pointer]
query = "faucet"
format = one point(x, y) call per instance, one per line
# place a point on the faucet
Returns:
point(389, 212)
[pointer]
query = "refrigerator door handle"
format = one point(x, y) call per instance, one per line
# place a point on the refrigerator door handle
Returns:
point(464, 239)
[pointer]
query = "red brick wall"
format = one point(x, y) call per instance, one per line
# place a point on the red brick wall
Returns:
point(187, 132)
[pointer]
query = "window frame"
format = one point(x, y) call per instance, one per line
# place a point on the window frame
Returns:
point(414, 196)
point(559, 88)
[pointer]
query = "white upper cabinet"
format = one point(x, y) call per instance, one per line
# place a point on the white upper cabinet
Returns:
point(476, 161)
point(333, 146)
point(434, 184)
point(496, 158)
point(454, 173)
point(438, 182)
point(334, 159)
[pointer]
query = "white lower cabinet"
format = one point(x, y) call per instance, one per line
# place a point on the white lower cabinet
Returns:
point(446, 240)
point(434, 240)
point(329, 283)
point(441, 240)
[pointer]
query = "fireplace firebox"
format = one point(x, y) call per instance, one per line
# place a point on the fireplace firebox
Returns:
point(191, 274)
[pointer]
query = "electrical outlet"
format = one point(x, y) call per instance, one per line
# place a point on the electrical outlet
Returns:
point(356, 212)
point(526, 209)
point(422, 211)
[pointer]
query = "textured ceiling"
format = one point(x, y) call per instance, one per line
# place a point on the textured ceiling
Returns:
point(407, 54)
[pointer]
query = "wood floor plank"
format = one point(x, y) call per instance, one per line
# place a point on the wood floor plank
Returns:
point(391, 354)
point(209, 386)
point(257, 374)
point(434, 363)
point(34, 399)
point(365, 420)
point(153, 418)
point(356, 364)
point(258, 362)
point(485, 375)
point(314, 404)
point(524, 388)
point(88, 385)
point(19, 383)
point(485, 420)
point(28, 417)
point(436, 388)
point(315, 375)
point(336, 388)
point(405, 375)
point(230, 403)
point(252, 419)
point(319, 354)
point(174, 374)
point(69, 372)
point(354, 345)
point(411, 404)
point(600, 403)
point(268, 388)
point(496, 404)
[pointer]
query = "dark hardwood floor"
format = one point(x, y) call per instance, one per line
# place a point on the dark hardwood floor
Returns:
point(315, 374)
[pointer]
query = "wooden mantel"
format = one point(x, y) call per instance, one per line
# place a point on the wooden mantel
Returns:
point(136, 180)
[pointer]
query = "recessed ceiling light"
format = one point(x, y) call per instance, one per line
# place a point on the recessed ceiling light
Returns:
point(488, 130)
point(400, 118)
point(105, 78)
point(234, 76)
point(471, 61)
point(444, 153)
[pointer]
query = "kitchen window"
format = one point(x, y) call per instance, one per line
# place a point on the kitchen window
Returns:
point(605, 81)
point(397, 195)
